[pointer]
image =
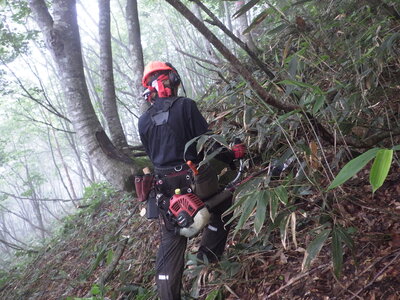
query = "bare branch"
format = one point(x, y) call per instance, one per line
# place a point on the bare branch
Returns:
point(219, 24)
point(197, 58)
point(39, 199)
point(12, 246)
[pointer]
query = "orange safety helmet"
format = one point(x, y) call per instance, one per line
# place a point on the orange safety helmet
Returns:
point(153, 67)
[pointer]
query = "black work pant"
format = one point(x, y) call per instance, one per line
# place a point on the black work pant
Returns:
point(171, 253)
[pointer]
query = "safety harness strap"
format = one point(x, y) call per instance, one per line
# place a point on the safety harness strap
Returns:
point(161, 115)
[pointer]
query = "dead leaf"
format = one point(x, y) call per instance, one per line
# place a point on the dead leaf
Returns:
point(283, 258)
point(395, 240)
point(301, 24)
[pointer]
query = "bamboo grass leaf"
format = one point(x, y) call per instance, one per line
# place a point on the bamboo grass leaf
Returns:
point(214, 295)
point(248, 208)
point(353, 167)
point(200, 143)
point(281, 194)
point(380, 168)
point(220, 139)
point(278, 29)
point(344, 237)
point(210, 156)
point(319, 102)
point(245, 8)
point(337, 253)
point(233, 207)
point(273, 206)
point(261, 212)
point(314, 88)
point(257, 20)
point(314, 248)
point(188, 144)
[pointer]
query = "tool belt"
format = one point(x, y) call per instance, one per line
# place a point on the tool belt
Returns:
point(169, 179)
point(159, 188)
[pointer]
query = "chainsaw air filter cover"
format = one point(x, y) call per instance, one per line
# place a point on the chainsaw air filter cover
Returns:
point(188, 203)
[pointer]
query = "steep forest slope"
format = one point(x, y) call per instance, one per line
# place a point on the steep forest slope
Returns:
point(107, 251)
point(300, 235)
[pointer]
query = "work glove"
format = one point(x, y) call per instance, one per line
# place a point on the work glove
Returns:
point(239, 150)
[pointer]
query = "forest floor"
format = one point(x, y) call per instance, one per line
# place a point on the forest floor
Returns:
point(105, 243)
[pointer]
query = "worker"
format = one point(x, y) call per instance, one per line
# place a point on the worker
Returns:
point(165, 129)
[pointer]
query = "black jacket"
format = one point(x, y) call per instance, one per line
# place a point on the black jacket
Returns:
point(164, 134)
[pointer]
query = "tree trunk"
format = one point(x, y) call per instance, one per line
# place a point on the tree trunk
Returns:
point(109, 101)
point(63, 40)
point(35, 203)
point(136, 52)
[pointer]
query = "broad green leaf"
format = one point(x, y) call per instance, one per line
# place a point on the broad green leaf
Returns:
point(220, 139)
point(314, 248)
point(396, 148)
point(200, 143)
point(235, 205)
point(277, 29)
point(273, 206)
point(262, 202)
point(345, 236)
point(95, 290)
point(187, 145)
point(353, 167)
point(337, 253)
point(281, 194)
point(286, 116)
point(110, 255)
point(210, 156)
point(257, 20)
point(302, 84)
point(380, 168)
point(214, 295)
point(319, 101)
point(237, 208)
point(245, 8)
point(248, 208)
point(301, 2)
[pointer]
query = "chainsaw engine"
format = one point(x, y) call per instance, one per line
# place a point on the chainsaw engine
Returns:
point(190, 213)
point(184, 207)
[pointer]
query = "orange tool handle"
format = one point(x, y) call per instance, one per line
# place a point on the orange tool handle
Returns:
point(192, 166)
